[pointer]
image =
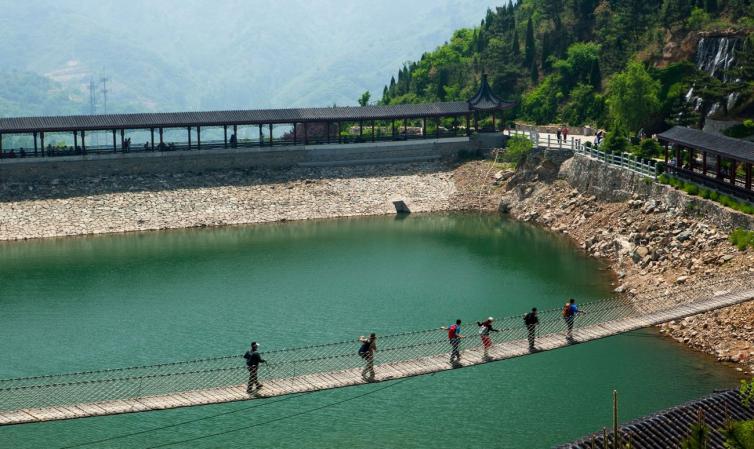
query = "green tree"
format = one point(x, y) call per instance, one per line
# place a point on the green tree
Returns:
point(516, 149)
point(530, 50)
point(615, 141)
point(633, 97)
point(515, 46)
point(364, 99)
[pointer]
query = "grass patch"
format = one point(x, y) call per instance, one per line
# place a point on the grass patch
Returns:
point(708, 194)
point(742, 238)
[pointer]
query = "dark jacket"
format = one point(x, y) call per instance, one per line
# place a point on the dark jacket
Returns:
point(530, 319)
point(253, 358)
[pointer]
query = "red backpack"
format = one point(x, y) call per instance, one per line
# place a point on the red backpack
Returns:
point(452, 331)
point(567, 310)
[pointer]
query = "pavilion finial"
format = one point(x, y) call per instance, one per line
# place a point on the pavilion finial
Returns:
point(485, 99)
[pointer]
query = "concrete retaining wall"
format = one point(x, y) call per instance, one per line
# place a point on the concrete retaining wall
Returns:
point(31, 169)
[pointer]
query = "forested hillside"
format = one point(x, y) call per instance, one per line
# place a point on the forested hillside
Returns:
point(622, 64)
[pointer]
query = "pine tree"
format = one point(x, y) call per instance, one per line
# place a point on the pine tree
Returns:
point(546, 51)
point(530, 45)
point(595, 76)
point(515, 46)
point(534, 74)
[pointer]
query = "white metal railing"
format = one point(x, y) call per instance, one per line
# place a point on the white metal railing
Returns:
point(644, 167)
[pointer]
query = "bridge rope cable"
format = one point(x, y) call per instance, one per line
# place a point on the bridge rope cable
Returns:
point(287, 369)
point(190, 421)
point(282, 418)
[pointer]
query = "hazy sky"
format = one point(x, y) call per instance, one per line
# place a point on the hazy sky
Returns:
point(200, 54)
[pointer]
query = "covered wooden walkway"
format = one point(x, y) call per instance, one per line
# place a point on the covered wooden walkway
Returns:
point(605, 319)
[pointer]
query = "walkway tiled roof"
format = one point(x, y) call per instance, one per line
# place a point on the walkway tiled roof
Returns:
point(742, 150)
point(219, 118)
point(668, 428)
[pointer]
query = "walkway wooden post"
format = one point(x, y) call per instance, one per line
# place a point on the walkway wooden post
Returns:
point(424, 127)
point(704, 163)
point(198, 137)
point(392, 127)
point(294, 133)
point(373, 136)
point(75, 141)
point(327, 131)
point(667, 155)
point(361, 128)
point(405, 129)
point(719, 174)
point(35, 144)
point(188, 128)
point(339, 138)
point(733, 166)
point(235, 133)
point(41, 141)
point(225, 136)
point(468, 125)
point(691, 159)
point(115, 141)
point(123, 139)
point(1, 145)
point(748, 176)
point(151, 138)
point(83, 141)
point(161, 141)
point(261, 136)
point(437, 127)
point(271, 143)
point(493, 121)
point(678, 159)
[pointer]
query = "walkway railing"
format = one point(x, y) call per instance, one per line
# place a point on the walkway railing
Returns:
point(291, 369)
point(644, 167)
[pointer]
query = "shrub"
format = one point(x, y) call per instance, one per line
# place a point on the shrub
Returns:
point(517, 148)
point(741, 238)
point(615, 142)
point(647, 149)
point(691, 189)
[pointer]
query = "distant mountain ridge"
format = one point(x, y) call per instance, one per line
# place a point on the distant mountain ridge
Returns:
point(225, 54)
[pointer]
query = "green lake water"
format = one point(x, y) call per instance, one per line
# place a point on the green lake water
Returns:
point(113, 301)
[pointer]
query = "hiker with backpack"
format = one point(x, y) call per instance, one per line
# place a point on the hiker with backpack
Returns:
point(253, 359)
point(570, 309)
point(531, 321)
point(485, 327)
point(366, 352)
point(454, 337)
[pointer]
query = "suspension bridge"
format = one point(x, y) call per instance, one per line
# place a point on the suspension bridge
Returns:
point(335, 365)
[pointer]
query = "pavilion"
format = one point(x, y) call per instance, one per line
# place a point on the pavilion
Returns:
point(717, 161)
point(220, 129)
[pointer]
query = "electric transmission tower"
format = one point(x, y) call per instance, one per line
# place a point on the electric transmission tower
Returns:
point(104, 81)
point(92, 97)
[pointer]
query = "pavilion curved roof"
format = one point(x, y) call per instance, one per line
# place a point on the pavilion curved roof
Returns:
point(486, 100)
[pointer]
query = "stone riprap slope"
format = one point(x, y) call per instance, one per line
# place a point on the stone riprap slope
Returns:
point(131, 203)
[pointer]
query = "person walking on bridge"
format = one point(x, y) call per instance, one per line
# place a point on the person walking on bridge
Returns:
point(531, 321)
point(570, 310)
point(366, 352)
point(454, 337)
point(253, 359)
point(485, 327)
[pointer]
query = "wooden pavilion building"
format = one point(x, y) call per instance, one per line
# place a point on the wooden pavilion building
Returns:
point(717, 161)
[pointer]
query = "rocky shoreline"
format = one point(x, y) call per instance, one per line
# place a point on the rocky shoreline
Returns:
point(652, 237)
point(65, 207)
